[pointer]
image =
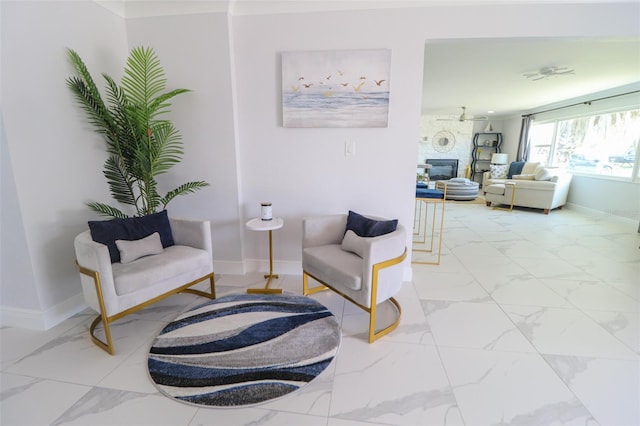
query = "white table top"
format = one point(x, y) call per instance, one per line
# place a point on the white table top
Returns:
point(258, 224)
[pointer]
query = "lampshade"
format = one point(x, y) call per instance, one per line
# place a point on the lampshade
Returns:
point(499, 158)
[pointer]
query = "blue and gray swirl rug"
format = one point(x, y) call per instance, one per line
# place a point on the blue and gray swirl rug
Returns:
point(244, 349)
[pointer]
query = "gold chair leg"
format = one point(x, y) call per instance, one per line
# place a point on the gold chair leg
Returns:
point(108, 346)
point(306, 291)
point(212, 286)
point(373, 335)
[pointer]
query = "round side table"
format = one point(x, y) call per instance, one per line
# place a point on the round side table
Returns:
point(258, 224)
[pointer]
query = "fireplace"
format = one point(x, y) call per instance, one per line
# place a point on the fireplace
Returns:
point(442, 168)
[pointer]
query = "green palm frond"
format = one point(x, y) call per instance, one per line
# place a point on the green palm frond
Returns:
point(143, 78)
point(120, 184)
point(86, 91)
point(186, 188)
point(106, 210)
point(140, 145)
point(159, 105)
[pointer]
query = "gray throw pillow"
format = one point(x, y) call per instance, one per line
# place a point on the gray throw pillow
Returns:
point(135, 249)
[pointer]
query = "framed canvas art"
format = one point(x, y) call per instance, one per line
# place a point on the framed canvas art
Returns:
point(341, 88)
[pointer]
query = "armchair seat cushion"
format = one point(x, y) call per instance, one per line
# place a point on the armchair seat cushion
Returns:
point(186, 263)
point(496, 188)
point(332, 264)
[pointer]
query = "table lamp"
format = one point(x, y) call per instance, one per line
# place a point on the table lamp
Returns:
point(499, 158)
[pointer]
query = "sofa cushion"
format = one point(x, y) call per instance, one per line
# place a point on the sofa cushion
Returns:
point(529, 176)
point(365, 227)
point(499, 171)
point(515, 168)
point(542, 173)
point(173, 263)
point(530, 167)
point(133, 250)
point(331, 264)
point(131, 228)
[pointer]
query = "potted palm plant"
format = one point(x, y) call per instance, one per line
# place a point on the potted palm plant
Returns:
point(141, 145)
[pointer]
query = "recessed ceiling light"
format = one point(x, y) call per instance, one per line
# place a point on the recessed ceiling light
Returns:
point(490, 112)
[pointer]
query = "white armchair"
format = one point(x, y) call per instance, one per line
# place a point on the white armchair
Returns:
point(365, 270)
point(118, 289)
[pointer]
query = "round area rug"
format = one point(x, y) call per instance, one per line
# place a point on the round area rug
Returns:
point(243, 349)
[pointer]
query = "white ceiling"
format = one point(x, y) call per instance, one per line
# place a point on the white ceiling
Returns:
point(481, 74)
point(486, 74)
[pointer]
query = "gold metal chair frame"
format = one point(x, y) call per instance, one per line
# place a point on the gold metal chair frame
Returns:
point(435, 202)
point(373, 335)
point(107, 320)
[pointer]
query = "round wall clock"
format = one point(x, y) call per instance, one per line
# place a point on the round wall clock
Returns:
point(443, 141)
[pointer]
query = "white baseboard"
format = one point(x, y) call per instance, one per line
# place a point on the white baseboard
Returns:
point(285, 267)
point(228, 267)
point(593, 212)
point(33, 319)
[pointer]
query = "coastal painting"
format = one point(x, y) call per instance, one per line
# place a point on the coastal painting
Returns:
point(341, 88)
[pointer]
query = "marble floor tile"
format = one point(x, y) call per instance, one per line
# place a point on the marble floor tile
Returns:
point(521, 290)
point(609, 389)
point(595, 295)
point(392, 383)
point(473, 325)
point(494, 387)
point(254, 416)
point(17, 343)
point(460, 286)
point(72, 357)
point(567, 332)
point(625, 326)
point(35, 401)
point(551, 268)
point(102, 406)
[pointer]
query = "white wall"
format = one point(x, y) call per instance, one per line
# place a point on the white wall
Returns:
point(194, 51)
point(234, 139)
point(55, 161)
point(304, 171)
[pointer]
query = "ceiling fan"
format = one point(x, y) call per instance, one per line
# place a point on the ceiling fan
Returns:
point(464, 117)
point(548, 72)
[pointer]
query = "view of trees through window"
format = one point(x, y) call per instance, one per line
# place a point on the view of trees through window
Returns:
point(604, 144)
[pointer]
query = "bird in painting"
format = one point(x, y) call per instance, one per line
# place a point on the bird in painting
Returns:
point(359, 86)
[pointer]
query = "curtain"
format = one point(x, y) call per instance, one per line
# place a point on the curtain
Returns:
point(523, 144)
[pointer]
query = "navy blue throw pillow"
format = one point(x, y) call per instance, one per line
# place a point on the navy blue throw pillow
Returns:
point(131, 228)
point(515, 168)
point(365, 227)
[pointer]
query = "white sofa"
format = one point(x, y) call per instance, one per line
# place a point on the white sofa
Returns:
point(535, 187)
point(118, 289)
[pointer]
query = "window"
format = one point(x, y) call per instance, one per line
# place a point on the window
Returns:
point(602, 144)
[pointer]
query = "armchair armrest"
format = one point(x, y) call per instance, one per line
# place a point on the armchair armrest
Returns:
point(485, 179)
point(382, 248)
point(192, 233)
point(94, 256)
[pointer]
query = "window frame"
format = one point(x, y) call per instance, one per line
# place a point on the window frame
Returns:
point(556, 118)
